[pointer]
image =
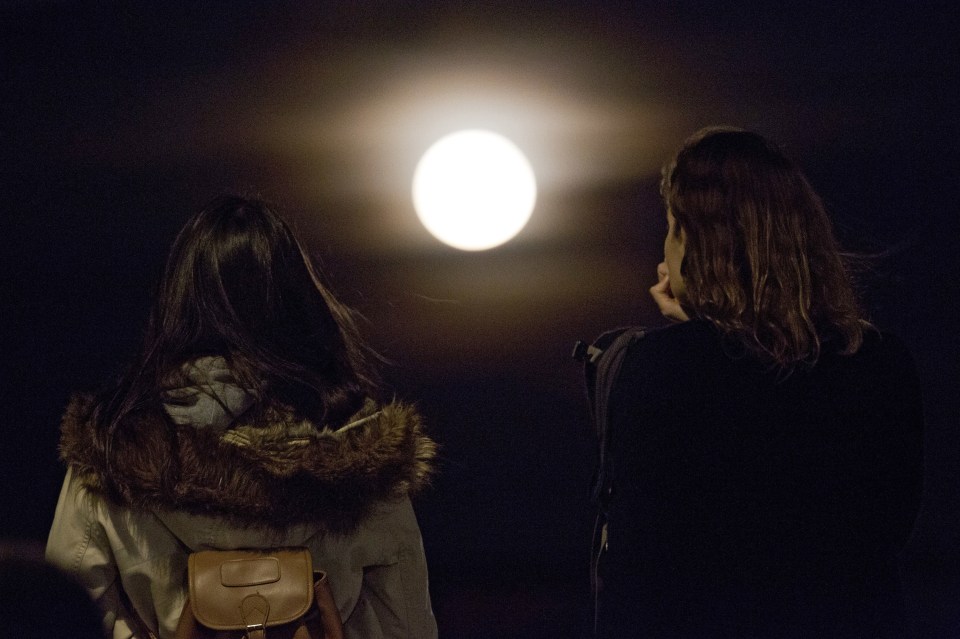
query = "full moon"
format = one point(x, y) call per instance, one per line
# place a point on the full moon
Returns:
point(474, 190)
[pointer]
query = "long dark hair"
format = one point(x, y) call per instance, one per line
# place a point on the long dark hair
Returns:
point(238, 284)
point(760, 258)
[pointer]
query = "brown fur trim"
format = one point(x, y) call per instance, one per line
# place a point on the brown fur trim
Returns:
point(283, 472)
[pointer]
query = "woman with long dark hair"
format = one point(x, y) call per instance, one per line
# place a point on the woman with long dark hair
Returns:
point(765, 448)
point(248, 419)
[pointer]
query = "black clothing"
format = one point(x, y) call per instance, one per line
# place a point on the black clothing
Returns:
point(747, 504)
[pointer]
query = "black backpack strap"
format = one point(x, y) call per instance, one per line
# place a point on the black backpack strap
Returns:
point(608, 368)
point(602, 362)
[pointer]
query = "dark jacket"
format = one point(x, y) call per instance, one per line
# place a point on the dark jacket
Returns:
point(747, 504)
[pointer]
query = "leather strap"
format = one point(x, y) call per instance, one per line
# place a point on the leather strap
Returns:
point(255, 610)
point(329, 613)
point(140, 627)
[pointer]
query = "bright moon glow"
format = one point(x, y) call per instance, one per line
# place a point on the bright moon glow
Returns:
point(474, 190)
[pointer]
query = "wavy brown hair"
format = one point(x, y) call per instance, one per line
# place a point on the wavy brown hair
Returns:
point(760, 259)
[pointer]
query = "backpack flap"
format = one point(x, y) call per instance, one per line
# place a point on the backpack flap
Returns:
point(240, 589)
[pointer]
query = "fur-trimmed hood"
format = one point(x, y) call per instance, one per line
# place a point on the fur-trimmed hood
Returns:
point(276, 472)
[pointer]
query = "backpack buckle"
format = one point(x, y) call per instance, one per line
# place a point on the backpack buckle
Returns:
point(583, 352)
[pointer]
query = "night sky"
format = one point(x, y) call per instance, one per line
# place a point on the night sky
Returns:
point(119, 119)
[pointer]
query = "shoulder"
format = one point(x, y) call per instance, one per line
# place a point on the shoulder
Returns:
point(79, 446)
point(882, 355)
point(670, 360)
point(692, 332)
point(886, 346)
point(881, 377)
point(678, 347)
point(662, 340)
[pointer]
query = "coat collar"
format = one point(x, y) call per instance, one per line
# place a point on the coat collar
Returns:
point(277, 472)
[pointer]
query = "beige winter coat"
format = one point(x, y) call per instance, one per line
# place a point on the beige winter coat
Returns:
point(181, 486)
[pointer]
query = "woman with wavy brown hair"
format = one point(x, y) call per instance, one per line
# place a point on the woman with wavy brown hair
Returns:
point(765, 448)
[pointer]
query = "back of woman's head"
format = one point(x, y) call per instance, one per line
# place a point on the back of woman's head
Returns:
point(238, 284)
point(760, 259)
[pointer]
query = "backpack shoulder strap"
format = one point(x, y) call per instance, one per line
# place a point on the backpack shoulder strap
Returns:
point(132, 617)
point(607, 369)
point(602, 362)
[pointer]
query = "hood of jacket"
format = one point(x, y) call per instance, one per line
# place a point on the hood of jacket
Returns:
point(202, 454)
